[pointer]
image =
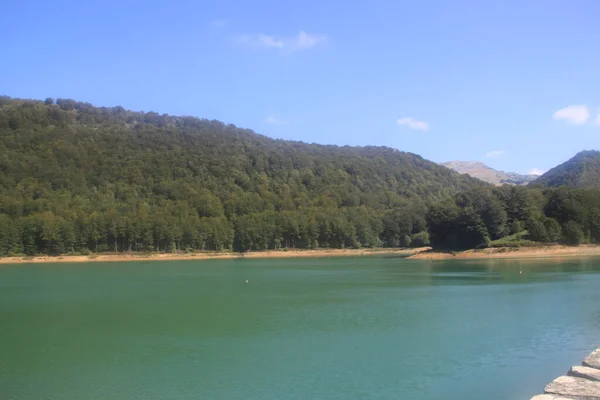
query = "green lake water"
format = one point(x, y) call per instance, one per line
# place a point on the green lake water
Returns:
point(329, 328)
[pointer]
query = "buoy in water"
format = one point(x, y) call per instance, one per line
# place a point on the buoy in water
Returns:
point(246, 280)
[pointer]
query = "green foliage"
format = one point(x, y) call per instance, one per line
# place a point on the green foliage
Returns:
point(573, 233)
point(516, 226)
point(77, 178)
point(537, 230)
point(420, 239)
point(553, 230)
point(442, 222)
point(594, 224)
point(583, 170)
point(514, 240)
point(471, 230)
point(543, 229)
point(483, 217)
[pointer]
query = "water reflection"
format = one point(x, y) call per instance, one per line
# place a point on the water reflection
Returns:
point(511, 271)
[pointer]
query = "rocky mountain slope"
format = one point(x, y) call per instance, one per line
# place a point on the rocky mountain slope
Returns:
point(481, 171)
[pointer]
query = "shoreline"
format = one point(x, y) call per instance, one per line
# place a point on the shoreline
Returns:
point(421, 253)
point(511, 253)
point(121, 257)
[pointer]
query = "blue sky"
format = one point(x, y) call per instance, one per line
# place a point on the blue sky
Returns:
point(515, 84)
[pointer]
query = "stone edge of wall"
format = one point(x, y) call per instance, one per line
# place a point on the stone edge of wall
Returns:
point(580, 383)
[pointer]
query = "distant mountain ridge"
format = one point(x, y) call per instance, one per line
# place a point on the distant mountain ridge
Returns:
point(582, 170)
point(481, 171)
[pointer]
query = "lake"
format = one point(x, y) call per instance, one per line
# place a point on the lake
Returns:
point(329, 328)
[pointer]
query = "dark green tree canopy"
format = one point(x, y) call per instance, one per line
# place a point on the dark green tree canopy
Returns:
point(583, 170)
point(74, 176)
point(79, 178)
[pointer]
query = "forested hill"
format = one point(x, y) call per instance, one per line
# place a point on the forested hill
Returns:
point(75, 177)
point(583, 170)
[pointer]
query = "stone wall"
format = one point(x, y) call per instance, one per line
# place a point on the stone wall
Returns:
point(580, 383)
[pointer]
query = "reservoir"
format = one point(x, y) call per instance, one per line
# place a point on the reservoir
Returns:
point(345, 328)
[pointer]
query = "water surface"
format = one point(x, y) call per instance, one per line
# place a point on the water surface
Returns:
point(330, 328)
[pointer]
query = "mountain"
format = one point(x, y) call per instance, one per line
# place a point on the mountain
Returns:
point(583, 170)
point(75, 177)
point(481, 171)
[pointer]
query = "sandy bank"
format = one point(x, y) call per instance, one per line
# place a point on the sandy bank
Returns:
point(525, 252)
point(209, 256)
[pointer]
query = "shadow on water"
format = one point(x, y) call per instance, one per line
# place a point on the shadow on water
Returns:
point(406, 272)
point(512, 271)
point(392, 256)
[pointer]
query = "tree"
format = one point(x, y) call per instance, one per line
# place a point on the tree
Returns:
point(573, 233)
point(495, 218)
point(420, 239)
point(9, 236)
point(594, 222)
point(442, 221)
point(471, 229)
point(537, 230)
point(516, 226)
point(553, 230)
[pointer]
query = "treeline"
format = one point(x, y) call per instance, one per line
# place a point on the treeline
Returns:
point(176, 227)
point(475, 218)
point(478, 217)
point(76, 179)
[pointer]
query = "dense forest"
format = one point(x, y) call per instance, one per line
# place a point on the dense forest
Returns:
point(515, 215)
point(75, 178)
point(583, 170)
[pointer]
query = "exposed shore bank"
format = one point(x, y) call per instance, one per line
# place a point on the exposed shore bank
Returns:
point(508, 252)
point(210, 255)
point(421, 253)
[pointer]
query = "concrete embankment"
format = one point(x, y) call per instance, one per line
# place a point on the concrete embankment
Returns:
point(580, 383)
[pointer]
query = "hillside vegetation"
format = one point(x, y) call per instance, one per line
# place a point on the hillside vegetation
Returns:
point(583, 170)
point(74, 177)
point(515, 215)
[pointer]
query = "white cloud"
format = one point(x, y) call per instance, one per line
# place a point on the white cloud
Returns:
point(305, 40)
point(268, 42)
point(272, 120)
point(537, 171)
point(412, 123)
point(494, 153)
point(302, 41)
point(575, 114)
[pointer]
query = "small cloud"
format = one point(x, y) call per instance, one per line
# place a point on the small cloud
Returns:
point(302, 41)
point(219, 23)
point(575, 114)
point(306, 41)
point(537, 171)
point(269, 42)
point(412, 123)
point(494, 153)
point(272, 120)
